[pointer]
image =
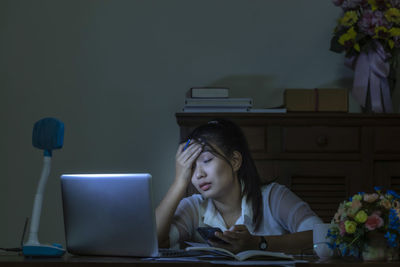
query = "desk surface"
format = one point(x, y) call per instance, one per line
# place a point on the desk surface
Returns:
point(77, 261)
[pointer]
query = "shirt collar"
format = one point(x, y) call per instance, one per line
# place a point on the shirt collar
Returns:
point(213, 218)
point(247, 214)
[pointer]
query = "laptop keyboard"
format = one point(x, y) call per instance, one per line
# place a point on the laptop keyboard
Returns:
point(170, 253)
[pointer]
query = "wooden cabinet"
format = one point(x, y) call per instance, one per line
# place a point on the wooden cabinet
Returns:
point(323, 157)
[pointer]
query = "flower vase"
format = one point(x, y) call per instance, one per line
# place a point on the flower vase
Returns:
point(376, 249)
point(375, 246)
point(392, 254)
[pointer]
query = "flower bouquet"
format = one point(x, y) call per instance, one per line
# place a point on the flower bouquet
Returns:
point(368, 32)
point(362, 220)
point(365, 21)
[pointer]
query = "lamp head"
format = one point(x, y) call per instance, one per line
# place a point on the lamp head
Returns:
point(48, 134)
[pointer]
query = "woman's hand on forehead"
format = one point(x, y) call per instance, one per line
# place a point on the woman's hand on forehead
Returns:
point(185, 157)
point(200, 141)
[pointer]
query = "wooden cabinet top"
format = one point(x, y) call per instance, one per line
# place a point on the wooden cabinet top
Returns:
point(292, 118)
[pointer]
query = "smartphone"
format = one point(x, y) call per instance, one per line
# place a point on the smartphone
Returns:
point(208, 234)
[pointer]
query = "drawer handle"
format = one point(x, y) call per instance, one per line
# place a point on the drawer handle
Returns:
point(322, 140)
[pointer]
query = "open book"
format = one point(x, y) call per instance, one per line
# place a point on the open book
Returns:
point(244, 255)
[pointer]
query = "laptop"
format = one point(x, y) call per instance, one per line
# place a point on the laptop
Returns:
point(109, 214)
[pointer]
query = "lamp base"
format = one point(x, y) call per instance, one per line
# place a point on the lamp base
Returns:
point(53, 250)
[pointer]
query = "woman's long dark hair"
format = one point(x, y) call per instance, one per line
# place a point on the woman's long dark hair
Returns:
point(228, 137)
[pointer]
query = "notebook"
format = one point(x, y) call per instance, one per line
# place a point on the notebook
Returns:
point(109, 214)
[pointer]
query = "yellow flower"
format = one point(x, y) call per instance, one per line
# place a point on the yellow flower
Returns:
point(393, 15)
point(391, 43)
point(350, 226)
point(357, 197)
point(373, 4)
point(381, 32)
point(394, 31)
point(349, 37)
point(349, 18)
point(361, 217)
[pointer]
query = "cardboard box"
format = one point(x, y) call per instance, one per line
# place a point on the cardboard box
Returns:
point(317, 100)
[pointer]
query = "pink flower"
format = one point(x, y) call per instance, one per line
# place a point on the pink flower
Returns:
point(354, 207)
point(365, 23)
point(371, 19)
point(351, 4)
point(377, 212)
point(336, 217)
point(371, 197)
point(356, 204)
point(395, 3)
point(379, 19)
point(342, 228)
point(374, 221)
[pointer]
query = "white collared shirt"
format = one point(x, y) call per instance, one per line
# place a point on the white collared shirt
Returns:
point(283, 212)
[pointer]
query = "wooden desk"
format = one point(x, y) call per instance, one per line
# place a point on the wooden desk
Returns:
point(76, 261)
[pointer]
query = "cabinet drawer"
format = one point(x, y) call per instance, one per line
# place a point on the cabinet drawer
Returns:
point(386, 139)
point(256, 138)
point(321, 139)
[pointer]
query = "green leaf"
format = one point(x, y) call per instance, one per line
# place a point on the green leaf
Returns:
point(335, 46)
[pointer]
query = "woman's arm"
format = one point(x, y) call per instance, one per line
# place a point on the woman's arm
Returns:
point(166, 210)
point(167, 207)
point(239, 239)
point(294, 243)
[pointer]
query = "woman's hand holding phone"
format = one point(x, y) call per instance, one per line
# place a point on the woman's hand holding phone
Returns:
point(208, 234)
point(237, 238)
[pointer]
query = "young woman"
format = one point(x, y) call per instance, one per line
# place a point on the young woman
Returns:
point(218, 163)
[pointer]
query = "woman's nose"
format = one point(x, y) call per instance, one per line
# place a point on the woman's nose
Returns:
point(199, 172)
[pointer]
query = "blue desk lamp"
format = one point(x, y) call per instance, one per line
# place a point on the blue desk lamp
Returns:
point(48, 134)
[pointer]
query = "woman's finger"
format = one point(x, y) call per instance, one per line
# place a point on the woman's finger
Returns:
point(183, 146)
point(180, 148)
point(193, 156)
point(228, 235)
point(188, 154)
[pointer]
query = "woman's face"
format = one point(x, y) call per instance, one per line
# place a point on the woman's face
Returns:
point(213, 176)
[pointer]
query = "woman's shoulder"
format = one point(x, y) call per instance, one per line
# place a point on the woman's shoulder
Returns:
point(272, 187)
point(194, 199)
point(275, 191)
point(196, 203)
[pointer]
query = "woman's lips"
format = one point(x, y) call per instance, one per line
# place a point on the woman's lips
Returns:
point(205, 186)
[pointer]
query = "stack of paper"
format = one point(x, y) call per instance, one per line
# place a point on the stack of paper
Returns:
point(217, 104)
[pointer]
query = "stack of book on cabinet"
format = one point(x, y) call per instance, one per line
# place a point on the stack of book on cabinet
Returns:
point(217, 104)
point(210, 99)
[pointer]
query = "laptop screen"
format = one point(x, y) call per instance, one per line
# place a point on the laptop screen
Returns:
point(109, 214)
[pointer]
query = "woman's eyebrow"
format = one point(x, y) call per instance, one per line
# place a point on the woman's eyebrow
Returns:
point(207, 149)
point(203, 153)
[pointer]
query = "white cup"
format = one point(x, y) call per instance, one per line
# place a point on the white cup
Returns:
point(321, 248)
